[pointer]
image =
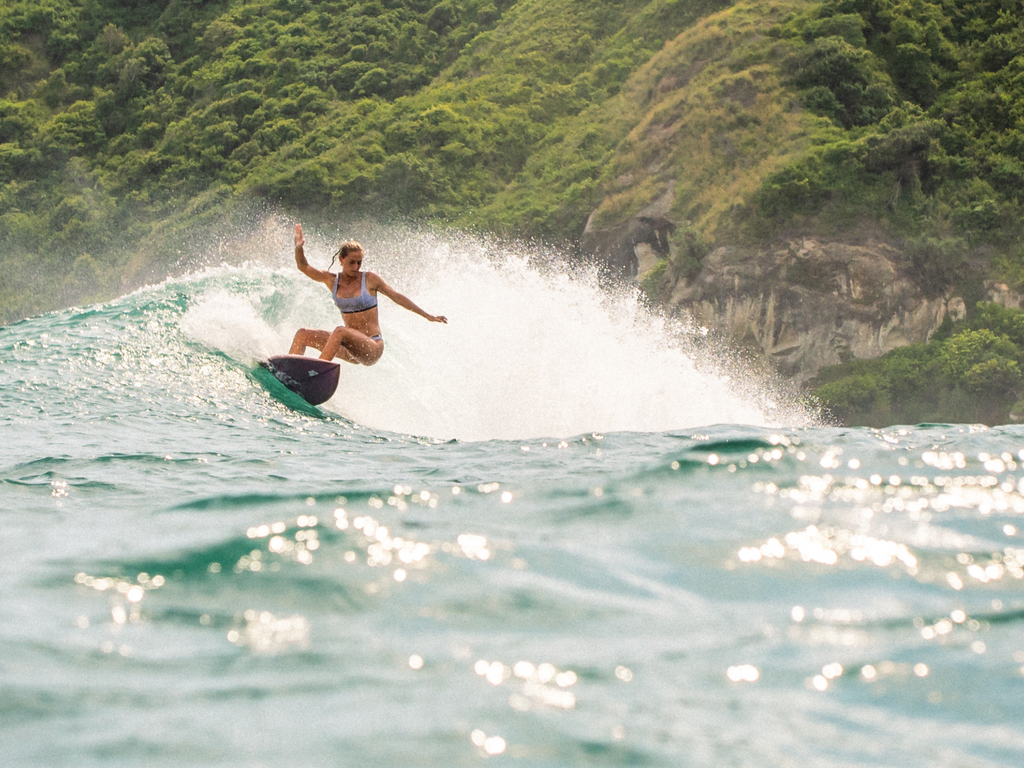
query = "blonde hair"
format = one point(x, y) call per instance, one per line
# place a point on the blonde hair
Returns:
point(349, 246)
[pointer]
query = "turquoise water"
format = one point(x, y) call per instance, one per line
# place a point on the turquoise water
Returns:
point(550, 533)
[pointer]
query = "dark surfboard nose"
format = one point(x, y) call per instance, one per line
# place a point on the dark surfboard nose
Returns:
point(311, 378)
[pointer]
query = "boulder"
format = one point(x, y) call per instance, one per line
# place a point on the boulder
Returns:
point(634, 247)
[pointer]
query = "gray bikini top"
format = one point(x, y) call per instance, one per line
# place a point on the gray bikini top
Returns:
point(364, 301)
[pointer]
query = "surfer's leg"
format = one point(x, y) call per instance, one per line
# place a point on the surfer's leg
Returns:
point(352, 347)
point(308, 337)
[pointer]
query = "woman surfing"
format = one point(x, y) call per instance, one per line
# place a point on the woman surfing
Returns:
point(359, 340)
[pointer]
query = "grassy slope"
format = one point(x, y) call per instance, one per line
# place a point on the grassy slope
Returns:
point(513, 137)
point(713, 117)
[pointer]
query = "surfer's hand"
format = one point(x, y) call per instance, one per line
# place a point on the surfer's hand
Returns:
point(299, 242)
point(439, 319)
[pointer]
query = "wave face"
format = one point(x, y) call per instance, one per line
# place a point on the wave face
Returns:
point(625, 557)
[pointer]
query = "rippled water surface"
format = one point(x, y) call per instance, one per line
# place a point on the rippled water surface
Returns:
point(495, 546)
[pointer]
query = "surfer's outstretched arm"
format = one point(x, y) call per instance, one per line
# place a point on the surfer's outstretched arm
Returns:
point(304, 266)
point(400, 299)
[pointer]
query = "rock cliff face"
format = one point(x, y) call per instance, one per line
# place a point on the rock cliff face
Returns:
point(805, 303)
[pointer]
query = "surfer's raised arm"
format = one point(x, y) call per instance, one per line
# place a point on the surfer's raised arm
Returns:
point(321, 276)
point(376, 284)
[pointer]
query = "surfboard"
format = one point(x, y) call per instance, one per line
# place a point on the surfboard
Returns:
point(314, 380)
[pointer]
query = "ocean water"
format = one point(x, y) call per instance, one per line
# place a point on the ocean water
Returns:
point(558, 531)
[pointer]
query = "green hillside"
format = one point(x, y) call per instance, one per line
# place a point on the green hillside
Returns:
point(127, 126)
point(124, 123)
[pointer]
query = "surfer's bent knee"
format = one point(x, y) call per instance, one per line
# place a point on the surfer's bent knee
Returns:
point(373, 357)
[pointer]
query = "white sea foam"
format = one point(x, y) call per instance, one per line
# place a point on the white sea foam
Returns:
point(533, 347)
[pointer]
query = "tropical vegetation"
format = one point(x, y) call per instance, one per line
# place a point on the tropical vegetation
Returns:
point(969, 371)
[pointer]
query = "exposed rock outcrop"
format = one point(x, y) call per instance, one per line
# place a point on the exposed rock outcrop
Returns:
point(633, 248)
point(807, 304)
